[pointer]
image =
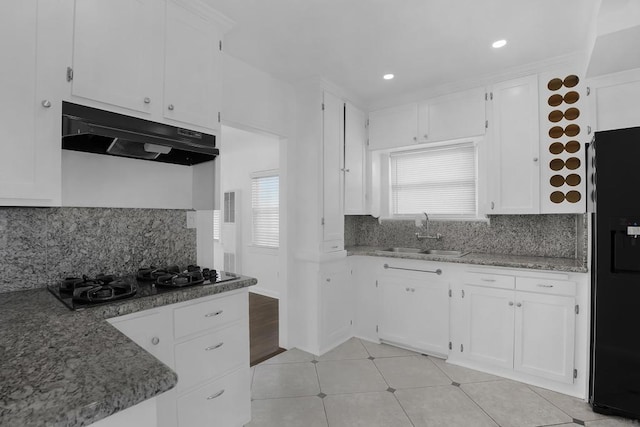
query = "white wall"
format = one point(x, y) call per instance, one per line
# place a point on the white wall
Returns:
point(254, 99)
point(97, 180)
point(243, 153)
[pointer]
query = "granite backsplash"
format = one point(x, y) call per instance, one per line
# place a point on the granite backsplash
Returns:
point(561, 236)
point(40, 246)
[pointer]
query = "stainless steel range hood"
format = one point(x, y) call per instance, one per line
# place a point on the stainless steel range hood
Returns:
point(103, 132)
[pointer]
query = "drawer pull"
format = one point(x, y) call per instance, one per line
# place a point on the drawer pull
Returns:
point(218, 394)
point(213, 347)
point(488, 280)
point(544, 286)
point(216, 313)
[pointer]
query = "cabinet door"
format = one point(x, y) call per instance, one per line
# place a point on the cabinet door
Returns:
point(354, 160)
point(544, 335)
point(393, 127)
point(192, 68)
point(151, 332)
point(514, 184)
point(33, 36)
point(489, 329)
point(453, 116)
point(430, 310)
point(415, 312)
point(396, 323)
point(336, 295)
point(114, 52)
point(332, 184)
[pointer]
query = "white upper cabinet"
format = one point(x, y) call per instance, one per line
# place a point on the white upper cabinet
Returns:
point(514, 166)
point(355, 136)
point(393, 127)
point(115, 51)
point(158, 60)
point(332, 175)
point(454, 116)
point(32, 39)
point(192, 89)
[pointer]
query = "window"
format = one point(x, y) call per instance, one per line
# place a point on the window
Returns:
point(216, 225)
point(440, 181)
point(265, 209)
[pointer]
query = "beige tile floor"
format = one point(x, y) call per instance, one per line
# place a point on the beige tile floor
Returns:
point(366, 384)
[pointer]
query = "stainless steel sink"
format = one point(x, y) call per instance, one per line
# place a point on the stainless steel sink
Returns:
point(425, 251)
point(443, 253)
point(403, 250)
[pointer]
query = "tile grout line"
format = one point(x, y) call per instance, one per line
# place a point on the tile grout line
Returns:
point(557, 407)
point(324, 407)
point(393, 393)
point(478, 405)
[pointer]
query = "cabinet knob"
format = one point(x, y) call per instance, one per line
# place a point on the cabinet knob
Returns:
point(407, 289)
point(415, 138)
point(510, 303)
point(519, 304)
point(345, 170)
point(155, 340)
point(328, 280)
point(535, 159)
point(170, 107)
point(147, 100)
point(46, 103)
point(426, 136)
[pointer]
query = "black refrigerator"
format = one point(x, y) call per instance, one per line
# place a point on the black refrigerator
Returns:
point(613, 187)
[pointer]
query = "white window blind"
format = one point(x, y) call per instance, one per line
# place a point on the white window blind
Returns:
point(265, 208)
point(440, 181)
point(216, 225)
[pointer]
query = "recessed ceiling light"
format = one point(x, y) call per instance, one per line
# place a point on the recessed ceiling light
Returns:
point(388, 76)
point(499, 43)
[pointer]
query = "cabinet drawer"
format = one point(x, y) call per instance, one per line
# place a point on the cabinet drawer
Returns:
point(490, 280)
point(210, 314)
point(212, 355)
point(222, 403)
point(546, 286)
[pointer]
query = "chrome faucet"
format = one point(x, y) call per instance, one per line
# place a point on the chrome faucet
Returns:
point(438, 236)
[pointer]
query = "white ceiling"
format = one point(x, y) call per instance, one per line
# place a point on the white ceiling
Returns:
point(425, 43)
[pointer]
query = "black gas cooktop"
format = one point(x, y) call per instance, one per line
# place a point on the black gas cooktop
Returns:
point(79, 293)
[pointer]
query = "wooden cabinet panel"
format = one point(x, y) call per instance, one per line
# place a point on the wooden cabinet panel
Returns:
point(355, 136)
point(393, 127)
point(114, 50)
point(544, 336)
point(514, 183)
point(192, 61)
point(332, 175)
point(33, 42)
point(489, 326)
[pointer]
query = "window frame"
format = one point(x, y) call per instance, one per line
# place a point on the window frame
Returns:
point(478, 216)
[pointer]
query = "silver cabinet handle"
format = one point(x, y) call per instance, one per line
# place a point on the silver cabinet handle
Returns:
point(216, 313)
point(213, 347)
point(388, 267)
point(147, 100)
point(510, 303)
point(334, 247)
point(488, 280)
point(493, 205)
point(155, 340)
point(218, 394)
point(46, 103)
point(170, 107)
point(345, 170)
point(540, 285)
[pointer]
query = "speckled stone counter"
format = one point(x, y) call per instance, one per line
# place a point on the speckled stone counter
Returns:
point(64, 368)
point(496, 260)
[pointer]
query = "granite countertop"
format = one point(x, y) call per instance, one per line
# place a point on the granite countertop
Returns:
point(63, 368)
point(497, 260)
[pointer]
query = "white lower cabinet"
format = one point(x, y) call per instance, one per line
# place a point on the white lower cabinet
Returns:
point(206, 342)
point(526, 325)
point(336, 300)
point(414, 309)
